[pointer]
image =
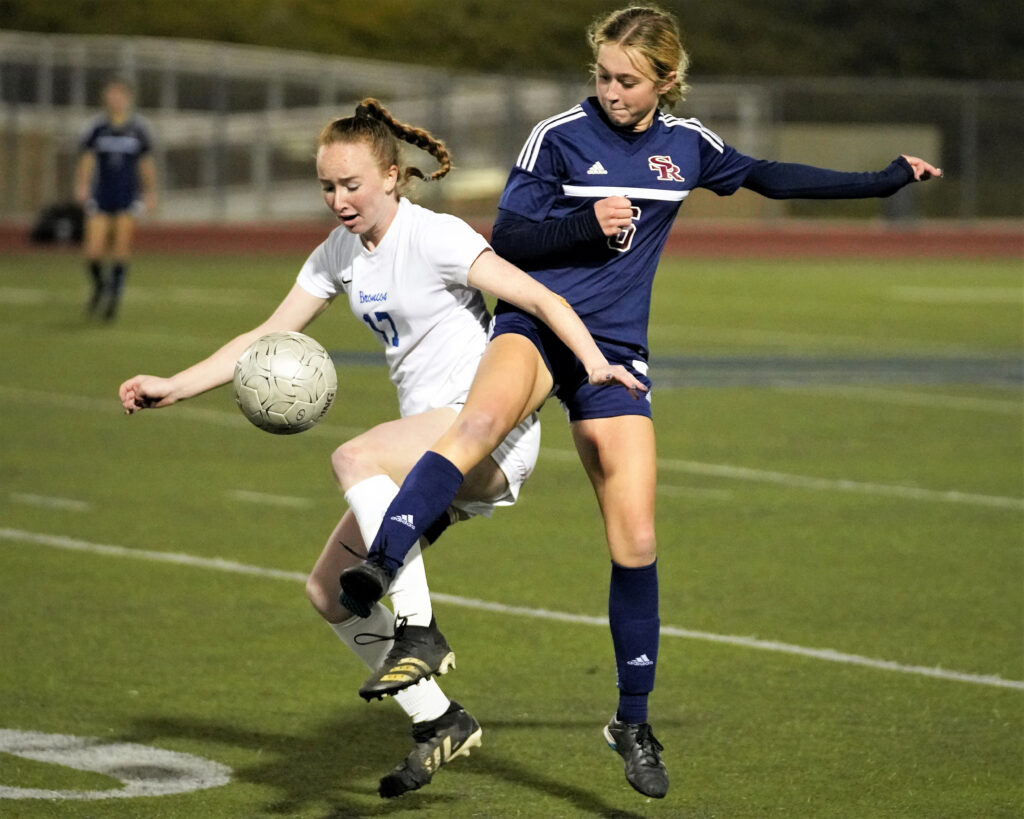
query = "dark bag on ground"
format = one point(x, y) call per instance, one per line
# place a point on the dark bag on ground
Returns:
point(59, 224)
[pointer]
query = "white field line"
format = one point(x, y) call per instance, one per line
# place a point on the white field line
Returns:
point(266, 499)
point(50, 502)
point(919, 399)
point(742, 473)
point(664, 464)
point(179, 558)
point(826, 654)
point(218, 564)
point(841, 485)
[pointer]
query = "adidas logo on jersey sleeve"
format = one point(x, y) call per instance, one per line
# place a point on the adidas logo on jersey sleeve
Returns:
point(595, 169)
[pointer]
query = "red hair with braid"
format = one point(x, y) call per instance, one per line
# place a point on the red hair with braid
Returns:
point(372, 123)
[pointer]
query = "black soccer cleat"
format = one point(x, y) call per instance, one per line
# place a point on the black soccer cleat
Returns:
point(438, 742)
point(364, 585)
point(635, 743)
point(418, 652)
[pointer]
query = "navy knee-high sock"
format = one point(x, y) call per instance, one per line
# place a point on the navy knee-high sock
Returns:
point(635, 625)
point(95, 268)
point(118, 272)
point(425, 494)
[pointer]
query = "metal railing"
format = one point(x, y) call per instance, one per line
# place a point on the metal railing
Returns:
point(235, 127)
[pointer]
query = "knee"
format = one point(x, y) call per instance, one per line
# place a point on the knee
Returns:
point(645, 549)
point(347, 463)
point(482, 427)
point(637, 550)
point(323, 598)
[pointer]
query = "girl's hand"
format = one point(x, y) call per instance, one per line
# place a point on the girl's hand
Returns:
point(922, 170)
point(145, 391)
point(614, 214)
point(611, 373)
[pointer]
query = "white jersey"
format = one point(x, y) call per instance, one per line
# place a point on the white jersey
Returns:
point(412, 292)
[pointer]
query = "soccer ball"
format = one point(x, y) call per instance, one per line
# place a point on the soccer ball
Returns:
point(285, 382)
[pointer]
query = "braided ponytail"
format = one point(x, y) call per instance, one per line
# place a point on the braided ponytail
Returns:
point(374, 124)
point(372, 109)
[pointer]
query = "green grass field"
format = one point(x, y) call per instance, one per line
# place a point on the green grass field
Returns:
point(840, 537)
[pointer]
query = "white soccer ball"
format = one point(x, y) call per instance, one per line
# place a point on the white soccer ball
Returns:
point(285, 382)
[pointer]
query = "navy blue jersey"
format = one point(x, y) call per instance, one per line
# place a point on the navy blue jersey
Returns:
point(115, 182)
point(577, 157)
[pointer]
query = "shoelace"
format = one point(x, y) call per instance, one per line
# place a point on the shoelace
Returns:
point(351, 551)
point(370, 637)
point(649, 745)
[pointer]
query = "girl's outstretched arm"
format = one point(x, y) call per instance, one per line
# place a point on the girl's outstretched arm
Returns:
point(142, 391)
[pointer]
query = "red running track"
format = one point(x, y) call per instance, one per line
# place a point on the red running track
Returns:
point(695, 239)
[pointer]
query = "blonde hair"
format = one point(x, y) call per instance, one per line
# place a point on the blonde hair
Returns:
point(651, 33)
point(372, 123)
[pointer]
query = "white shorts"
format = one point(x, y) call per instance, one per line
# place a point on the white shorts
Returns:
point(516, 456)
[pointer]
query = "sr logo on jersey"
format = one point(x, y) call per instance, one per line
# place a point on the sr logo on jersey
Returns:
point(666, 169)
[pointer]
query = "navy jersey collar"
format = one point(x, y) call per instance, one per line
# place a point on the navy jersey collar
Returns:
point(628, 140)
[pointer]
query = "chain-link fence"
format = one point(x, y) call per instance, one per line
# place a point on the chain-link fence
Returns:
point(235, 127)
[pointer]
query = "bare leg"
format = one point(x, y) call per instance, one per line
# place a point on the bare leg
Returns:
point(620, 459)
point(619, 456)
point(511, 383)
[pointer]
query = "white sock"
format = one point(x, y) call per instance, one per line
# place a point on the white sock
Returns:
point(409, 592)
point(380, 621)
point(410, 595)
point(369, 500)
point(424, 701)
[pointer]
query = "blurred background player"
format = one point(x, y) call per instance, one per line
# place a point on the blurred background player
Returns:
point(587, 210)
point(115, 180)
point(414, 277)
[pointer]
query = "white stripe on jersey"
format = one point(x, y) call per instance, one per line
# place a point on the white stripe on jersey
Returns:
point(528, 156)
point(603, 191)
point(694, 125)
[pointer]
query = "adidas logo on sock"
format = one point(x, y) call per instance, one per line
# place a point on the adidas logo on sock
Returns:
point(643, 659)
point(405, 520)
point(596, 168)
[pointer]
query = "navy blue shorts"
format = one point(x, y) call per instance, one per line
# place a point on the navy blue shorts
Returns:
point(113, 205)
point(580, 398)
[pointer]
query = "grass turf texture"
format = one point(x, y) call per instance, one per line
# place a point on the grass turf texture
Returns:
point(237, 668)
